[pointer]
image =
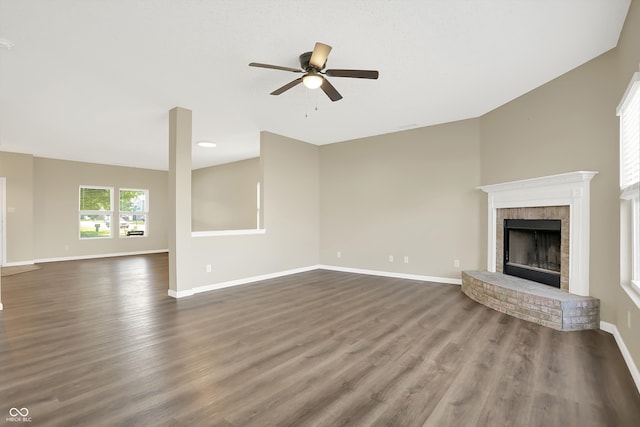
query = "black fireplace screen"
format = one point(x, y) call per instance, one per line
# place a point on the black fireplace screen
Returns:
point(532, 250)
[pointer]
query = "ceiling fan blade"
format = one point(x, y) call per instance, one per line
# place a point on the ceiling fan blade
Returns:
point(319, 55)
point(331, 91)
point(358, 74)
point(287, 86)
point(275, 67)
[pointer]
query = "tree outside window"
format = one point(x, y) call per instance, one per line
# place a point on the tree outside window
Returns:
point(95, 212)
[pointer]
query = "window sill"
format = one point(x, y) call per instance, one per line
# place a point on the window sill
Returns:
point(216, 233)
point(633, 290)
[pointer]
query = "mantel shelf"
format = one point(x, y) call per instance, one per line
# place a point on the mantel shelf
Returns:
point(545, 181)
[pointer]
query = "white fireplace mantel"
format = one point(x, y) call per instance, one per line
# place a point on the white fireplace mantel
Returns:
point(567, 189)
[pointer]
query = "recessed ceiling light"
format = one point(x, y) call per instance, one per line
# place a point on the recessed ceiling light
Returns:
point(206, 144)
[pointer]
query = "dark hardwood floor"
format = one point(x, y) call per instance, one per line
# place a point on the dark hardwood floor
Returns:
point(99, 343)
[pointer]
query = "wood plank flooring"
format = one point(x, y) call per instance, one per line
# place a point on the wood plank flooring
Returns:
point(99, 343)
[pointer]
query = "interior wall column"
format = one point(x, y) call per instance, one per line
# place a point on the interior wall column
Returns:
point(180, 202)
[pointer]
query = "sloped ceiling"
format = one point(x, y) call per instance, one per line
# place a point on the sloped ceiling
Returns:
point(93, 80)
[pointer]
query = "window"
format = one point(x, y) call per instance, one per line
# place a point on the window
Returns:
point(134, 212)
point(629, 112)
point(98, 218)
point(95, 212)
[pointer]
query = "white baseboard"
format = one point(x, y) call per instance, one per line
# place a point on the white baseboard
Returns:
point(94, 256)
point(633, 369)
point(244, 281)
point(180, 294)
point(1, 307)
point(447, 280)
point(18, 263)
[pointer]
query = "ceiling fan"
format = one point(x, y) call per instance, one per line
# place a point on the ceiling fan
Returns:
point(312, 64)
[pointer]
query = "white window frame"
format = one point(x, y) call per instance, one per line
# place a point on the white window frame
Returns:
point(82, 212)
point(630, 182)
point(145, 212)
point(632, 194)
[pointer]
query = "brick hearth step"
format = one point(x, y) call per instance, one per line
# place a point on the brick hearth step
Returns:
point(535, 302)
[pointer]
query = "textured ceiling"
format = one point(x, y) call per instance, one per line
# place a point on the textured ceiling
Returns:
point(93, 81)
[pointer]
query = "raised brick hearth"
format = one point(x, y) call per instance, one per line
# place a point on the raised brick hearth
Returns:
point(563, 197)
point(532, 301)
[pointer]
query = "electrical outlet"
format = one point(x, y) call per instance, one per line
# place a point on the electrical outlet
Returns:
point(208, 268)
point(456, 263)
point(338, 254)
point(406, 259)
point(390, 258)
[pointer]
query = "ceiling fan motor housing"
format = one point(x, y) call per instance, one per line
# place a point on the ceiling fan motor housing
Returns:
point(304, 62)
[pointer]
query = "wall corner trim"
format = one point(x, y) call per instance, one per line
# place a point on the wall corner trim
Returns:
point(633, 369)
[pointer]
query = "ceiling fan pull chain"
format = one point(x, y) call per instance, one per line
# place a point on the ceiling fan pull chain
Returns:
point(306, 104)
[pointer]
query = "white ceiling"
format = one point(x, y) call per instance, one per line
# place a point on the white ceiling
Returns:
point(93, 80)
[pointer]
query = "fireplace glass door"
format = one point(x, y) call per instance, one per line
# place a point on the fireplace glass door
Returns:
point(532, 250)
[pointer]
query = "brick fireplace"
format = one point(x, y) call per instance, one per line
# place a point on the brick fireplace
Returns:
point(560, 213)
point(563, 198)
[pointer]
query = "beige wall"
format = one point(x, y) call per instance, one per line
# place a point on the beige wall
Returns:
point(42, 207)
point(628, 50)
point(18, 171)
point(628, 56)
point(55, 221)
point(566, 125)
point(409, 193)
point(291, 205)
point(224, 196)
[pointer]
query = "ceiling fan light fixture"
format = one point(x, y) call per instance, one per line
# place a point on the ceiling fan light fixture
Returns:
point(312, 80)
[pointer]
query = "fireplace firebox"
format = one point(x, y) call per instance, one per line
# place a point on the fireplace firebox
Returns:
point(532, 250)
